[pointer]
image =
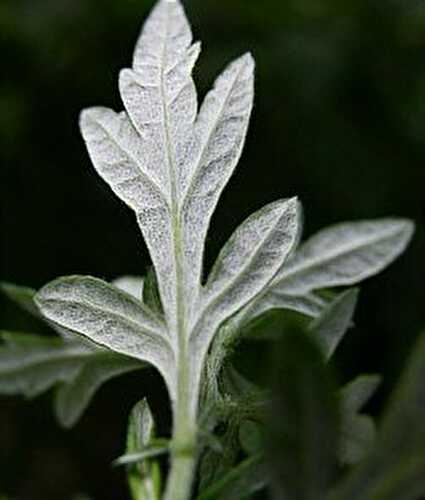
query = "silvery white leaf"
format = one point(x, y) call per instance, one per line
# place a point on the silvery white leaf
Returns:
point(160, 98)
point(30, 364)
point(110, 318)
point(133, 285)
point(344, 254)
point(216, 146)
point(334, 321)
point(73, 398)
point(250, 259)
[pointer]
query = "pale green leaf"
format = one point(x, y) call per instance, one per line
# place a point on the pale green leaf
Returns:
point(73, 398)
point(330, 327)
point(30, 364)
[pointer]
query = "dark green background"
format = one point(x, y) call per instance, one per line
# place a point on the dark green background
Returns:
point(339, 120)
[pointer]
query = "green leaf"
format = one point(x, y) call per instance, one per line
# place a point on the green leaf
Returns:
point(304, 421)
point(151, 293)
point(395, 469)
point(30, 364)
point(22, 296)
point(357, 431)
point(251, 437)
point(330, 327)
point(73, 398)
point(241, 482)
point(144, 475)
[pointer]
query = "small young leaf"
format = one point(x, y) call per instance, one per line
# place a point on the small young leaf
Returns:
point(145, 479)
point(357, 431)
point(332, 324)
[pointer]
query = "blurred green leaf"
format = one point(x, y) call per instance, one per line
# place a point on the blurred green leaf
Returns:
point(395, 469)
point(22, 296)
point(240, 482)
point(73, 398)
point(304, 421)
point(357, 431)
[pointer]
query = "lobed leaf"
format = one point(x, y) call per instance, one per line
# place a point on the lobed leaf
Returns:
point(215, 148)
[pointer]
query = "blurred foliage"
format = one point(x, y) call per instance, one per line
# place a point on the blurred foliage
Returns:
point(339, 120)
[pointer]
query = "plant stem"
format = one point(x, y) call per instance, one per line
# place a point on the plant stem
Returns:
point(184, 445)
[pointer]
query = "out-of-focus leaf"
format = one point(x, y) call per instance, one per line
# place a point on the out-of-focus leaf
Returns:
point(251, 437)
point(395, 469)
point(304, 422)
point(332, 324)
point(357, 393)
point(30, 364)
point(357, 431)
point(23, 296)
point(240, 482)
point(73, 397)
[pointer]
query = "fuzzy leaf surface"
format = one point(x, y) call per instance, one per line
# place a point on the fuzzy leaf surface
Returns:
point(108, 317)
point(344, 255)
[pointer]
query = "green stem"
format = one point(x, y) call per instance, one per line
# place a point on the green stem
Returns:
point(184, 446)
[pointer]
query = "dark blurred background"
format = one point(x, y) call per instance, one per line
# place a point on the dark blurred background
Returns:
point(339, 120)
